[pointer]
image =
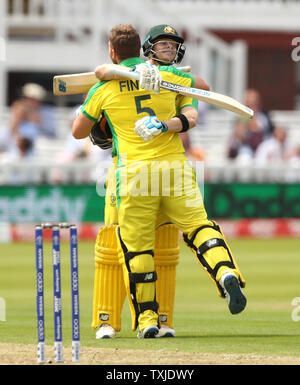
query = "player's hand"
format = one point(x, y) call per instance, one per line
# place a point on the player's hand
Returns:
point(149, 77)
point(148, 127)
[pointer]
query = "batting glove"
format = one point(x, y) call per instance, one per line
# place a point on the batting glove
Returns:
point(149, 77)
point(149, 126)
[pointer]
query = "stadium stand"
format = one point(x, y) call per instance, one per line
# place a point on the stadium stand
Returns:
point(75, 32)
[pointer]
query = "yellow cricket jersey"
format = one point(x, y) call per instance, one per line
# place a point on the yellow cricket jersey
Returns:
point(123, 103)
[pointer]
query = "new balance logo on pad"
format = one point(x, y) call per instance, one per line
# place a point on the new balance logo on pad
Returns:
point(148, 277)
point(103, 317)
point(212, 242)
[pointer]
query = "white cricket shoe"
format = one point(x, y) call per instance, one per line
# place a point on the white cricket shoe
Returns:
point(148, 332)
point(105, 331)
point(165, 332)
point(235, 297)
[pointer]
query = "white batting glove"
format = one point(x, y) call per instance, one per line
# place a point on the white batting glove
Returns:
point(148, 127)
point(149, 77)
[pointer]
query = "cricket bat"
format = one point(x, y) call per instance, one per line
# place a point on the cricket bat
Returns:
point(213, 98)
point(81, 83)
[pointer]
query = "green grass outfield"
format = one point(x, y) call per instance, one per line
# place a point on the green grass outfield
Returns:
point(202, 320)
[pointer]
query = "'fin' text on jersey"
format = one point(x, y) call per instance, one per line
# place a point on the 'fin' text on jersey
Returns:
point(129, 85)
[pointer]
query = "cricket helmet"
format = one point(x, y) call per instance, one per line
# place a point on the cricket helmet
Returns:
point(163, 31)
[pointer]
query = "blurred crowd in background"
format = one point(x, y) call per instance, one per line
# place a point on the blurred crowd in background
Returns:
point(259, 139)
point(256, 141)
point(45, 38)
point(30, 119)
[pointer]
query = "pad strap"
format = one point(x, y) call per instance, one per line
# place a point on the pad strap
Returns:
point(190, 242)
point(143, 277)
point(153, 305)
point(211, 243)
point(213, 272)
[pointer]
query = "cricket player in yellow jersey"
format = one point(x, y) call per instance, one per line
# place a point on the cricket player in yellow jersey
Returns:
point(169, 49)
point(148, 145)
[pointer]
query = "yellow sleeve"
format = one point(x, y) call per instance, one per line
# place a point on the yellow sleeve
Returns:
point(173, 75)
point(91, 108)
point(185, 101)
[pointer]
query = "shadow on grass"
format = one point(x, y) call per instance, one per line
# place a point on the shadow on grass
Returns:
point(228, 336)
point(239, 336)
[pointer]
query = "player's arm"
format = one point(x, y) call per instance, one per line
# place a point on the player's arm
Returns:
point(82, 126)
point(105, 71)
point(149, 76)
point(200, 83)
point(88, 114)
point(178, 123)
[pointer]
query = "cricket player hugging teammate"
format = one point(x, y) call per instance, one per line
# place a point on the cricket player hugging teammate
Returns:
point(145, 127)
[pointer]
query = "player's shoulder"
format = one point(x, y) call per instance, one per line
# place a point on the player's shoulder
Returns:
point(173, 74)
point(173, 70)
point(96, 88)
